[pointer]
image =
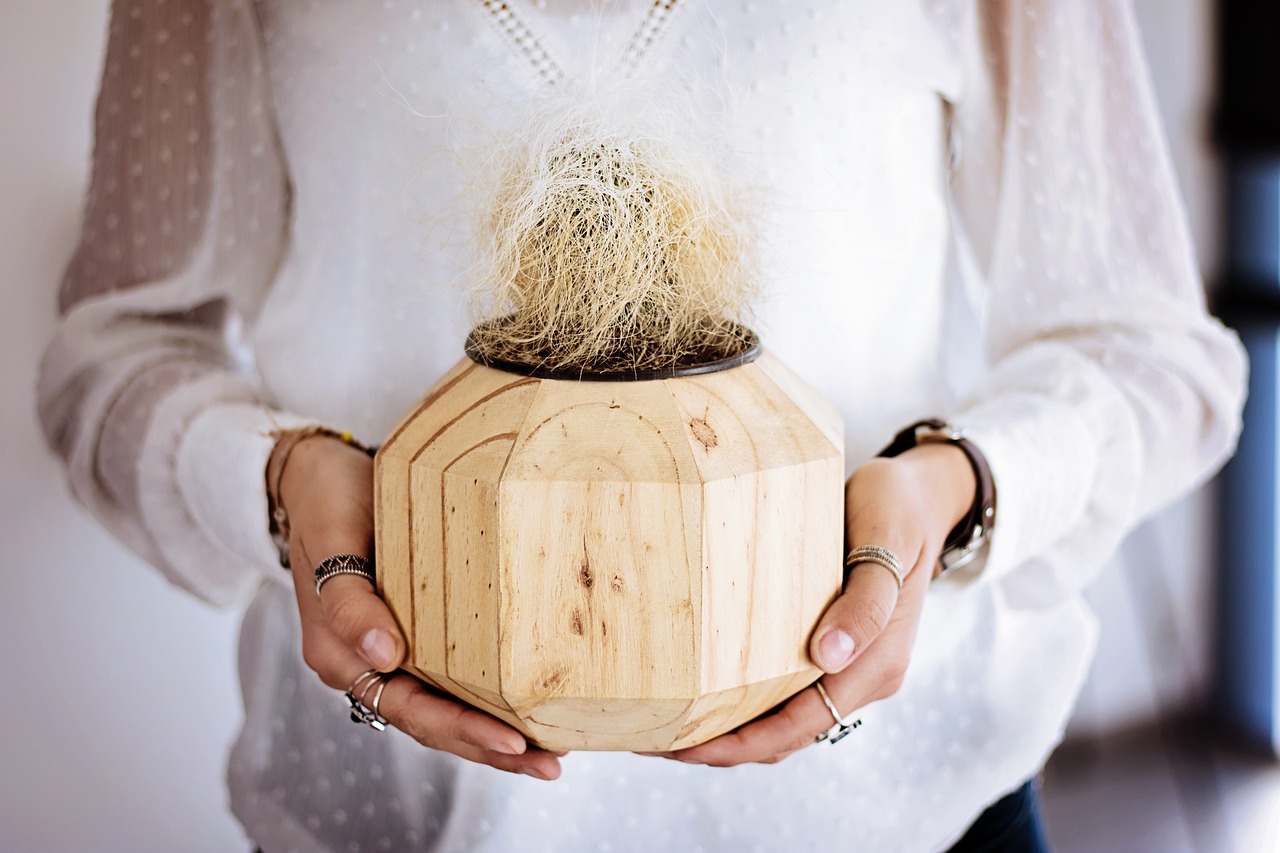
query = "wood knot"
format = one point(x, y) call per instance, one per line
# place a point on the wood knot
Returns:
point(585, 577)
point(703, 432)
point(553, 681)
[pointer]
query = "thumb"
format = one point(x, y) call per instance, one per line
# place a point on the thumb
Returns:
point(361, 618)
point(855, 618)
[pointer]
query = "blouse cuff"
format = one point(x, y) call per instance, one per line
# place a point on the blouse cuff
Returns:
point(222, 475)
point(1042, 461)
point(202, 488)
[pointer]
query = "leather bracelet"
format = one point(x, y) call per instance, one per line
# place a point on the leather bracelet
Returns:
point(973, 533)
point(286, 441)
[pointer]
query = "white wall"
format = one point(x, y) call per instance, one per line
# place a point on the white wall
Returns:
point(120, 691)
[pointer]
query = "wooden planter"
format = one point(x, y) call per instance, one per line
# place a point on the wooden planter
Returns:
point(613, 565)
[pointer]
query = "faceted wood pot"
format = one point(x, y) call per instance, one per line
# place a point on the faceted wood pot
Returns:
point(613, 565)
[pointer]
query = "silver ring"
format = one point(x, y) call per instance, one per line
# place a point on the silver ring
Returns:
point(841, 728)
point(881, 557)
point(360, 712)
point(344, 564)
point(368, 685)
point(378, 721)
point(371, 715)
point(367, 674)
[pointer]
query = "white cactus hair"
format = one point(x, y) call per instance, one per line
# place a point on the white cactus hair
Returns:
point(615, 240)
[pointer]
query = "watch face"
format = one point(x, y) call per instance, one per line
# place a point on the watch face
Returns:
point(942, 434)
point(958, 557)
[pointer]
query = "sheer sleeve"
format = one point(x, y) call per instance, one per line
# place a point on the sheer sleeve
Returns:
point(146, 391)
point(1109, 389)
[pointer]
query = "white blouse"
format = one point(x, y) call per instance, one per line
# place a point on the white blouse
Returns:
point(968, 210)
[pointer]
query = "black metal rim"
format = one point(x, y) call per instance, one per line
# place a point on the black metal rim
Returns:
point(750, 352)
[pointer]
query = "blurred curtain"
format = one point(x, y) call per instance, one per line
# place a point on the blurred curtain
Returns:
point(1246, 686)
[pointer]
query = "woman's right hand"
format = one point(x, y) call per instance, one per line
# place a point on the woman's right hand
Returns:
point(326, 488)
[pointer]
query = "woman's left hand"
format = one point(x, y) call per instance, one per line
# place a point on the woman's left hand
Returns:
point(907, 504)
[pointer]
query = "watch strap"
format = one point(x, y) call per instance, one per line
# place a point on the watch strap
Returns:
point(967, 539)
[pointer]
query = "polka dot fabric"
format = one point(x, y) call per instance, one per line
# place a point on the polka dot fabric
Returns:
point(966, 209)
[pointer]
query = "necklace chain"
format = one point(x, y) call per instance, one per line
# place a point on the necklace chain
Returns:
point(517, 32)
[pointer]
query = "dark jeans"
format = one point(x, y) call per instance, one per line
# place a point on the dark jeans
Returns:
point(1011, 824)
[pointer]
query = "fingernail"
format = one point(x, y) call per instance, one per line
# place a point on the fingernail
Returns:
point(535, 773)
point(378, 648)
point(835, 648)
point(505, 748)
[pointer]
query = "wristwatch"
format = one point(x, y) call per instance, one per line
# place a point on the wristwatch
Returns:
point(972, 535)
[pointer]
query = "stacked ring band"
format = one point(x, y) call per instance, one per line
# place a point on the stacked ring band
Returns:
point(880, 556)
point(841, 728)
point(344, 564)
point(367, 713)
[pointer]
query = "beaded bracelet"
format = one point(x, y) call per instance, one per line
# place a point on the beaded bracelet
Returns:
point(286, 441)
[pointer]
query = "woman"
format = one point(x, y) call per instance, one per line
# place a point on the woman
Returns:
point(969, 211)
